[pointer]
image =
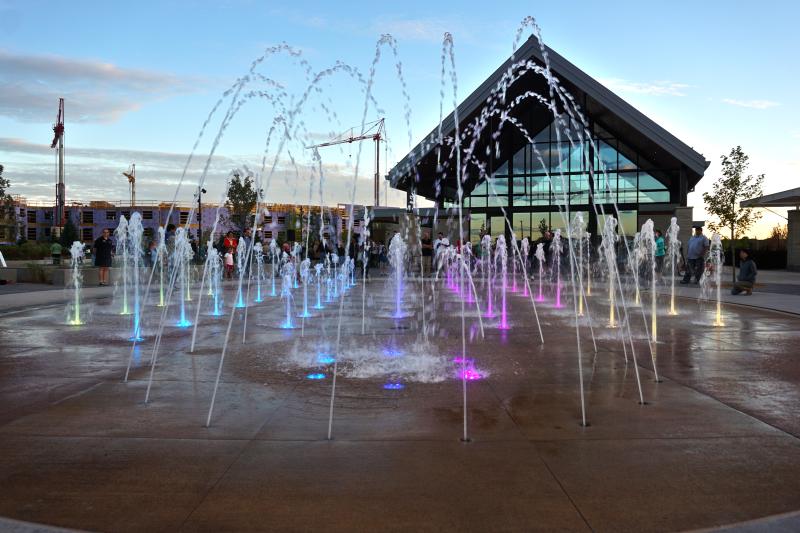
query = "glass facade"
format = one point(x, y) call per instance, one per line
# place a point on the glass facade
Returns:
point(534, 184)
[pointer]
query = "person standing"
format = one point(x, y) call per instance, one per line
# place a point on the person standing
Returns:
point(228, 263)
point(660, 252)
point(427, 253)
point(747, 274)
point(696, 251)
point(103, 255)
point(55, 253)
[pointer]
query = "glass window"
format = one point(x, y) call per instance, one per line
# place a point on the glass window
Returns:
point(497, 226)
point(519, 186)
point(477, 226)
point(606, 157)
point(648, 182)
point(522, 225)
point(539, 160)
point(541, 223)
point(648, 197)
point(497, 201)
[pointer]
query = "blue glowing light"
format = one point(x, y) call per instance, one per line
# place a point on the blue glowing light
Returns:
point(183, 323)
point(392, 352)
point(316, 375)
point(325, 359)
point(136, 339)
point(393, 386)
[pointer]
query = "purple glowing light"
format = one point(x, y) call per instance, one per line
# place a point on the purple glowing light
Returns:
point(470, 374)
point(393, 386)
point(463, 361)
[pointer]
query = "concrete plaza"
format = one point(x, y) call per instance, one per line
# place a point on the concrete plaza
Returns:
point(716, 443)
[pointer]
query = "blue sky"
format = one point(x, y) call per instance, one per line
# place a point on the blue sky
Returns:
point(140, 78)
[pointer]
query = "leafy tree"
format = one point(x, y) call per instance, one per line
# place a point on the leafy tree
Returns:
point(542, 227)
point(7, 217)
point(69, 234)
point(242, 198)
point(780, 232)
point(732, 188)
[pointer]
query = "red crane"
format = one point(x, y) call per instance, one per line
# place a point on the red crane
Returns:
point(58, 143)
point(372, 130)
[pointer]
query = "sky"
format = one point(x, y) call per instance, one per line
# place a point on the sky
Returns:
point(140, 78)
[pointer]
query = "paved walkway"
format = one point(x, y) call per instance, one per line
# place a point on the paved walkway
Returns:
point(715, 443)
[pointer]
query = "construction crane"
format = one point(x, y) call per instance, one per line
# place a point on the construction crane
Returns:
point(58, 143)
point(131, 175)
point(372, 130)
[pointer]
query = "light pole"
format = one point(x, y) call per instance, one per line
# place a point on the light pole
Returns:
point(200, 192)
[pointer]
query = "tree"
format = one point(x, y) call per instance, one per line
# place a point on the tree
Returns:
point(780, 232)
point(69, 234)
point(8, 217)
point(729, 190)
point(543, 227)
point(242, 198)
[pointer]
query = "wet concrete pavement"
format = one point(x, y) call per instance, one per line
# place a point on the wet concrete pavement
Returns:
point(715, 443)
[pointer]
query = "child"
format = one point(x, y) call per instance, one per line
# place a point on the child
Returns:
point(229, 263)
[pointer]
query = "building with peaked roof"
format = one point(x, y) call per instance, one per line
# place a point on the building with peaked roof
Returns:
point(790, 198)
point(527, 155)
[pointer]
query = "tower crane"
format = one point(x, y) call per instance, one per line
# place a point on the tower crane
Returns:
point(58, 144)
point(372, 130)
point(131, 175)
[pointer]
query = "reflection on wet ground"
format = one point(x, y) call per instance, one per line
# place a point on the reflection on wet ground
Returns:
point(79, 448)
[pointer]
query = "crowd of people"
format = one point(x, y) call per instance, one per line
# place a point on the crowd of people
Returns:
point(371, 254)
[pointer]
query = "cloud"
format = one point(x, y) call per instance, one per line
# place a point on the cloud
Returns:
point(94, 91)
point(95, 174)
point(418, 29)
point(656, 88)
point(751, 104)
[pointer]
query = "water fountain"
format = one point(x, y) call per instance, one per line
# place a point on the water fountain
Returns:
point(635, 261)
point(541, 258)
point(121, 235)
point(258, 252)
point(241, 268)
point(305, 278)
point(334, 277)
point(674, 253)
point(273, 253)
point(182, 255)
point(76, 258)
point(716, 257)
point(134, 250)
point(214, 269)
point(501, 256)
point(648, 244)
point(557, 247)
point(397, 260)
point(578, 231)
point(161, 253)
point(608, 249)
point(288, 279)
point(525, 250)
point(486, 250)
point(297, 252)
point(318, 276)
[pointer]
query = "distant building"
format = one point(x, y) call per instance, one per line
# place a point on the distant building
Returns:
point(283, 222)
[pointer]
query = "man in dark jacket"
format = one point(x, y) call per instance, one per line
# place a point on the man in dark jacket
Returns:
point(103, 252)
point(747, 274)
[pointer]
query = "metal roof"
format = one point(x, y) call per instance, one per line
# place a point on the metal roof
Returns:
point(564, 71)
point(790, 198)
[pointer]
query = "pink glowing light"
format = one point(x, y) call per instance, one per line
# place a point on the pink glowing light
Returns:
point(470, 374)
